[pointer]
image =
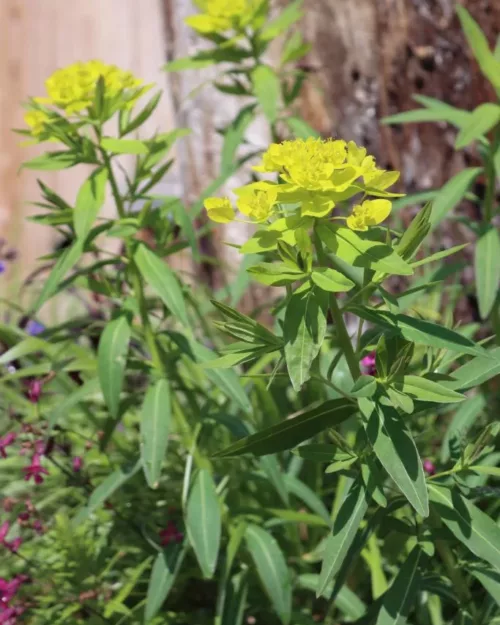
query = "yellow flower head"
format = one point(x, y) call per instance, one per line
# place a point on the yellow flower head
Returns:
point(223, 15)
point(369, 213)
point(73, 88)
point(219, 209)
point(256, 202)
point(311, 164)
point(37, 121)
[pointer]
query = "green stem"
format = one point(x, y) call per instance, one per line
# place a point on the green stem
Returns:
point(114, 186)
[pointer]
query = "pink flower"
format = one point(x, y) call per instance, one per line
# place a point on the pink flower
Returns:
point(34, 391)
point(35, 470)
point(170, 534)
point(13, 545)
point(38, 526)
point(4, 530)
point(429, 467)
point(368, 364)
point(77, 464)
point(5, 441)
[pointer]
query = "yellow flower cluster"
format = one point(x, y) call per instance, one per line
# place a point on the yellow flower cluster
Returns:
point(315, 174)
point(37, 121)
point(218, 16)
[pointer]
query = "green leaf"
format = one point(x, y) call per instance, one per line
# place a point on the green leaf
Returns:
point(163, 575)
point(487, 269)
point(472, 527)
point(452, 193)
point(360, 252)
point(235, 599)
point(395, 448)
point(477, 371)
point(331, 280)
point(233, 137)
point(107, 488)
point(124, 146)
point(489, 578)
point(291, 432)
point(426, 390)
point(434, 111)
point(419, 331)
point(64, 263)
point(345, 600)
point(439, 255)
point(482, 120)
point(414, 235)
point(303, 331)
point(143, 115)
point(461, 422)
point(478, 43)
point(300, 490)
point(65, 404)
point(300, 128)
point(317, 452)
point(89, 202)
point(399, 599)
point(155, 428)
point(111, 361)
point(203, 522)
point(266, 87)
point(52, 161)
point(163, 281)
point(365, 386)
point(275, 274)
point(345, 527)
point(285, 19)
point(272, 569)
point(257, 329)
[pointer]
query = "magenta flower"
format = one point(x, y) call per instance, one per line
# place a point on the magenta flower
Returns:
point(4, 530)
point(368, 364)
point(13, 545)
point(77, 464)
point(34, 391)
point(35, 470)
point(5, 441)
point(170, 534)
point(429, 467)
point(38, 526)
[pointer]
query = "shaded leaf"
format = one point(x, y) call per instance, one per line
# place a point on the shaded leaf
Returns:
point(487, 269)
point(155, 428)
point(163, 575)
point(112, 359)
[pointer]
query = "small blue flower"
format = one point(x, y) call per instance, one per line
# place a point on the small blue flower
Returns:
point(33, 327)
point(3, 267)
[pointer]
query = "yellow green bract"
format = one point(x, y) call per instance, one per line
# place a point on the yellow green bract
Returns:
point(223, 15)
point(36, 120)
point(316, 175)
point(219, 209)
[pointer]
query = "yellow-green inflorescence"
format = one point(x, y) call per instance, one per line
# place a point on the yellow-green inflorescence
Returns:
point(72, 90)
point(220, 16)
point(315, 176)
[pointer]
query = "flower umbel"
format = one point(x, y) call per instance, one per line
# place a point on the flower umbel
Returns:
point(223, 15)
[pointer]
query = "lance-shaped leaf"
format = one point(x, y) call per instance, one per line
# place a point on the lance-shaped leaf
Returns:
point(266, 88)
point(482, 120)
point(163, 575)
point(155, 428)
point(89, 201)
point(477, 371)
point(487, 269)
point(111, 359)
point(427, 390)
point(272, 569)
point(203, 522)
point(399, 599)
point(395, 448)
point(304, 331)
point(452, 193)
point(345, 526)
point(475, 529)
point(293, 431)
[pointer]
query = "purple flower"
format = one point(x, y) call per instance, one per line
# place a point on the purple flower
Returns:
point(33, 327)
point(35, 391)
point(35, 470)
point(38, 526)
point(368, 364)
point(3, 267)
point(429, 467)
point(5, 441)
point(77, 464)
point(170, 534)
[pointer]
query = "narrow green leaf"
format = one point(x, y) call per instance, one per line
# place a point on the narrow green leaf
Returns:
point(345, 600)
point(489, 578)
point(345, 527)
point(439, 255)
point(275, 274)
point(478, 43)
point(203, 522)
point(475, 529)
point(304, 331)
point(427, 390)
point(461, 422)
point(414, 235)
point(300, 128)
point(235, 595)
point(272, 569)
point(477, 371)
point(452, 193)
point(163, 281)
point(300, 490)
point(291, 432)
point(64, 263)
point(482, 120)
point(65, 404)
point(155, 428)
point(420, 331)
point(291, 14)
point(89, 202)
point(399, 599)
point(112, 359)
point(124, 146)
point(331, 280)
point(143, 115)
point(267, 90)
point(52, 161)
point(233, 137)
point(163, 575)
point(395, 448)
point(487, 269)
